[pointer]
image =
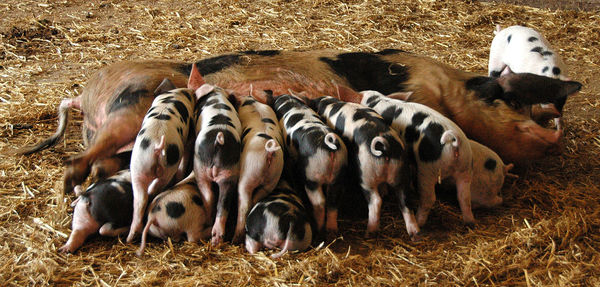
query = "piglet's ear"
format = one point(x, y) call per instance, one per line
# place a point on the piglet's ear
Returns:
point(400, 95)
point(165, 86)
point(570, 87)
point(195, 81)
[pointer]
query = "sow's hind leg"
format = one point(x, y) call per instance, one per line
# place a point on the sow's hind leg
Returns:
point(119, 130)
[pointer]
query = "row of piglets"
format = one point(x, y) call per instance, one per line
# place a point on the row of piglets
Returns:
point(316, 153)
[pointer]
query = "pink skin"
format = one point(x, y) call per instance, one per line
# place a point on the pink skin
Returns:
point(83, 226)
point(272, 241)
point(192, 222)
point(259, 166)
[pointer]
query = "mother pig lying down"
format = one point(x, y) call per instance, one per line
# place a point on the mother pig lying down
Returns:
point(116, 98)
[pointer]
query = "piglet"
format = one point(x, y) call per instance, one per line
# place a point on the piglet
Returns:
point(280, 221)
point(489, 173)
point(261, 161)
point(105, 207)
point(216, 152)
point(179, 210)
point(318, 155)
point(439, 146)
point(159, 147)
point(521, 49)
point(379, 156)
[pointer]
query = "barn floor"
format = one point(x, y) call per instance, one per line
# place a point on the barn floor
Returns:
point(546, 233)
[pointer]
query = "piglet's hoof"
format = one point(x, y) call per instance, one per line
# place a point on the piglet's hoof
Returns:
point(66, 249)
point(371, 234)
point(416, 237)
point(216, 240)
point(470, 224)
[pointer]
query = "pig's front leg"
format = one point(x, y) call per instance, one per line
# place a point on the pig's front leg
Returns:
point(140, 200)
point(83, 226)
point(314, 190)
point(252, 245)
point(226, 190)
point(332, 199)
point(373, 198)
point(426, 198)
point(463, 187)
point(108, 229)
point(245, 200)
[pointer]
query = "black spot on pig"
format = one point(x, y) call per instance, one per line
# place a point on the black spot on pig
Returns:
point(163, 117)
point(340, 124)
point(214, 64)
point(175, 209)
point(180, 131)
point(532, 39)
point(222, 156)
point(368, 71)
point(142, 131)
point(556, 71)
point(430, 148)
point(509, 37)
point(222, 106)
point(211, 102)
point(145, 143)
point(264, 136)
point(248, 102)
point(167, 99)
point(197, 200)
point(390, 114)
point(418, 118)
point(256, 222)
point(220, 119)
point(372, 101)
point(187, 94)
point(537, 50)
point(335, 108)
point(547, 53)
point(490, 164)
point(545, 69)
point(268, 121)
point(495, 74)
point(293, 120)
point(182, 110)
point(127, 97)
point(311, 185)
point(172, 154)
point(411, 134)
point(109, 204)
point(245, 132)
point(262, 52)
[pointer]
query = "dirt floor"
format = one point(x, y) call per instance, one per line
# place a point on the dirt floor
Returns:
point(546, 233)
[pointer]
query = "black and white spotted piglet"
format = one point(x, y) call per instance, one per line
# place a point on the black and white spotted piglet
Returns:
point(318, 154)
point(440, 149)
point(279, 221)
point(379, 155)
point(158, 150)
point(217, 153)
point(177, 211)
point(105, 207)
point(261, 160)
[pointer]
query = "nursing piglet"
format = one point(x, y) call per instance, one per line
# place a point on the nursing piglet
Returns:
point(261, 161)
point(279, 221)
point(158, 150)
point(177, 211)
point(489, 173)
point(318, 154)
point(105, 207)
point(217, 153)
point(379, 155)
point(439, 146)
point(108, 166)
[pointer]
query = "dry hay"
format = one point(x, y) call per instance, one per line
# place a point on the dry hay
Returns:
point(547, 233)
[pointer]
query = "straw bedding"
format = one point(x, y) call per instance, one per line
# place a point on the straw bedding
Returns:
point(546, 233)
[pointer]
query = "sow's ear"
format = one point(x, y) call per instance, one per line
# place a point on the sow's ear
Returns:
point(195, 81)
point(529, 89)
point(165, 86)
